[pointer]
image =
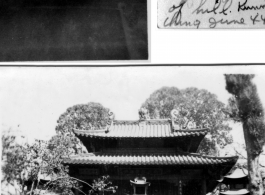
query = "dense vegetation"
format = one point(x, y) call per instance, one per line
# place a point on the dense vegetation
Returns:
point(203, 107)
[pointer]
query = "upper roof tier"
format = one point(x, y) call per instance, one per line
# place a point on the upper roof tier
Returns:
point(142, 129)
point(179, 125)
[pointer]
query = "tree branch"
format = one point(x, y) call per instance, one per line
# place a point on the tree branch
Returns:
point(240, 154)
point(80, 190)
point(71, 178)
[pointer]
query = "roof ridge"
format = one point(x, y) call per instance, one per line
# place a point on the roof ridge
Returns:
point(147, 121)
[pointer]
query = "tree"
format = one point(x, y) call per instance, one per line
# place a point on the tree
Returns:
point(68, 141)
point(26, 164)
point(203, 108)
point(83, 116)
point(102, 184)
point(247, 109)
point(14, 157)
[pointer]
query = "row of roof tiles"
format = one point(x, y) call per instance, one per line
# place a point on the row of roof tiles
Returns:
point(171, 159)
point(235, 192)
point(141, 131)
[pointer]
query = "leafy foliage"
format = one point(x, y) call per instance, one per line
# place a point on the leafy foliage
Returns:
point(246, 106)
point(83, 116)
point(14, 158)
point(232, 110)
point(28, 164)
point(67, 141)
point(103, 184)
point(203, 107)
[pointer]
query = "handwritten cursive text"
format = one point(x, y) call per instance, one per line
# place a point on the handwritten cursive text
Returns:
point(244, 7)
point(176, 19)
point(213, 22)
point(218, 7)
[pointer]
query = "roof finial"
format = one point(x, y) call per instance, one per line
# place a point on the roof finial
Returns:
point(181, 119)
point(143, 114)
point(111, 116)
point(175, 118)
point(110, 121)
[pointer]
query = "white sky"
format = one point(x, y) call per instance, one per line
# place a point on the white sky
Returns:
point(32, 99)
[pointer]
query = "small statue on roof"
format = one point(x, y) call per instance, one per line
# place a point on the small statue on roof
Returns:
point(181, 119)
point(110, 121)
point(111, 117)
point(143, 114)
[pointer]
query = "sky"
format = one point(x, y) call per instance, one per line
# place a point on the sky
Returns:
point(33, 98)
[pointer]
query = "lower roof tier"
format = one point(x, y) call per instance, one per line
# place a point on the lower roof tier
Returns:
point(148, 159)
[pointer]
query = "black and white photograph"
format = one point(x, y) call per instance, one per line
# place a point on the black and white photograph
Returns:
point(133, 130)
point(73, 30)
point(140, 97)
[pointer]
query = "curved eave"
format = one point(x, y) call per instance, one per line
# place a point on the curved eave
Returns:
point(134, 135)
point(155, 159)
point(235, 192)
point(237, 174)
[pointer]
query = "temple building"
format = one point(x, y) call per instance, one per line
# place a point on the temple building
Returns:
point(150, 156)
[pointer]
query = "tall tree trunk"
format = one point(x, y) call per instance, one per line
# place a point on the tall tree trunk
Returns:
point(255, 181)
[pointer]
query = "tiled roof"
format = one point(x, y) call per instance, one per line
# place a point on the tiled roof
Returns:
point(145, 129)
point(238, 173)
point(148, 159)
point(235, 192)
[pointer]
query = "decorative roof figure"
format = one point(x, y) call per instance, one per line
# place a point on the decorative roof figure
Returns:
point(181, 119)
point(111, 117)
point(110, 121)
point(143, 114)
point(156, 114)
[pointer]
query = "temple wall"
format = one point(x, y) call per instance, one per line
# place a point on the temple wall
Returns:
point(165, 180)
